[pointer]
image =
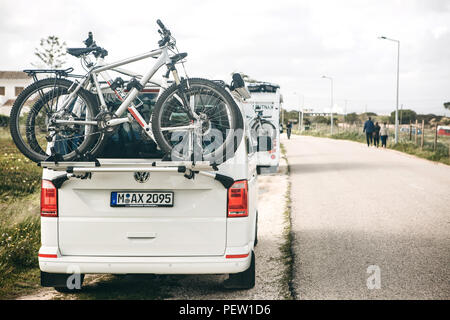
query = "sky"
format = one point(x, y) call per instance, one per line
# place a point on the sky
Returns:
point(291, 43)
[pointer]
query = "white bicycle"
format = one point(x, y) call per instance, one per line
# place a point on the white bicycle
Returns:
point(60, 119)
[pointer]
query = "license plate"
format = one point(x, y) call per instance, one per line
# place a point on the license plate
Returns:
point(142, 199)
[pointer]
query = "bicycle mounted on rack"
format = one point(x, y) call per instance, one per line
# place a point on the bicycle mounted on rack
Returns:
point(66, 117)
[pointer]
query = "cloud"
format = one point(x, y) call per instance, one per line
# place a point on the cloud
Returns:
point(287, 42)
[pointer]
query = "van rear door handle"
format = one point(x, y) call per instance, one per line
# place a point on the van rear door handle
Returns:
point(141, 235)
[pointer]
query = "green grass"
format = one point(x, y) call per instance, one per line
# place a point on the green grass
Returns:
point(19, 220)
point(441, 154)
point(19, 176)
point(19, 245)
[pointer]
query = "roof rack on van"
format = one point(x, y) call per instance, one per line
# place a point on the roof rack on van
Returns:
point(262, 87)
point(188, 168)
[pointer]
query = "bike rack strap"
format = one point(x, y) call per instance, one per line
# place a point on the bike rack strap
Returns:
point(81, 169)
point(106, 165)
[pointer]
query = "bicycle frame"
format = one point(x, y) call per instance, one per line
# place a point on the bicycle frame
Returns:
point(127, 100)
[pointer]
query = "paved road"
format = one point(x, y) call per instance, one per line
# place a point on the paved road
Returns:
point(355, 207)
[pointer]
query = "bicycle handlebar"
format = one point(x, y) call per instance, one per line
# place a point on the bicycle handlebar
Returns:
point(165, 34)
point(161, 25)
point(90, 43)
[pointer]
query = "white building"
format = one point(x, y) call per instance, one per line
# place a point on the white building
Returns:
point(11, 85)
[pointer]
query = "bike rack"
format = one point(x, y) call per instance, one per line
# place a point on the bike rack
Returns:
point(59, 73)
point(83, 170)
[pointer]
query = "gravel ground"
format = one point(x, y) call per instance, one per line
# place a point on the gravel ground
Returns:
point(270, 268)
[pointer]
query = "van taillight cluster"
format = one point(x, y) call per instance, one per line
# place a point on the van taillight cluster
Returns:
point(49, 199)
point(238, 199)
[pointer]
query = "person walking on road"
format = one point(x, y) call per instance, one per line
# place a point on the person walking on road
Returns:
point(376, 134)
point(289, 129)
point(369, 127)
point(384, 132)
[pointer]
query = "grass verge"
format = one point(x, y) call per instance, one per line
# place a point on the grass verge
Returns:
point(19, 221)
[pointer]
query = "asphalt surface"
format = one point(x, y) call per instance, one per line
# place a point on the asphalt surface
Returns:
point(368, 216)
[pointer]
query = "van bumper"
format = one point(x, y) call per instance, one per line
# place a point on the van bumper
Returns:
point(229, 263)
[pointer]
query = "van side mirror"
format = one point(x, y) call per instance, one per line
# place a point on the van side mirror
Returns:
point(264, 143)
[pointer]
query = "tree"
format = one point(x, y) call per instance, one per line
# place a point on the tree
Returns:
point(51, 53)
point(290, 116)
point(447, 105)
point(428, 117)
point(407, 116)
point(351, 117)
point(321, 119)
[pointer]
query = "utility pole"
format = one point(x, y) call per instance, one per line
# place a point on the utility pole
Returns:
point(301, 113)
point(401, 115)
point(345, 114)
point(331, 111)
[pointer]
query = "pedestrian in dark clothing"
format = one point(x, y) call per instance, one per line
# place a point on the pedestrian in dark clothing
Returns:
point(289, 129)
point(376, 134)
point(369, 127)
point(384, 132)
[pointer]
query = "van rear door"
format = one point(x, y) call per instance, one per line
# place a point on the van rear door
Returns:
point(91, 224)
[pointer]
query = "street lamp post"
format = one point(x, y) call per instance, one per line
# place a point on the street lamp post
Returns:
point(398, 84)
point(331, 111)
point(300, 111)
point(302, 107)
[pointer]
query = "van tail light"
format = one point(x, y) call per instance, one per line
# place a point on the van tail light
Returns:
point(238, 199)
point(49, 199)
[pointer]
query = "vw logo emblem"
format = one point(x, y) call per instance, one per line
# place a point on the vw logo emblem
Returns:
point(141, 176)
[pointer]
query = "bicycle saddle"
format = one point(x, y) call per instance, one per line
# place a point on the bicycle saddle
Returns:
point(178, 57)
point(77, 52)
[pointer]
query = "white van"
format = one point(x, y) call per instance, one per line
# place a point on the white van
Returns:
point(129, 212)
point(262, 112)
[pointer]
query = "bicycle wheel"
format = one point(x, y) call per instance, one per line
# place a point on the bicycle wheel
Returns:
point(32, 124)
point(218, 133)
point(264, 128)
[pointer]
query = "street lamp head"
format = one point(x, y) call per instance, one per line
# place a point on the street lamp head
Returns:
point(382, 37)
